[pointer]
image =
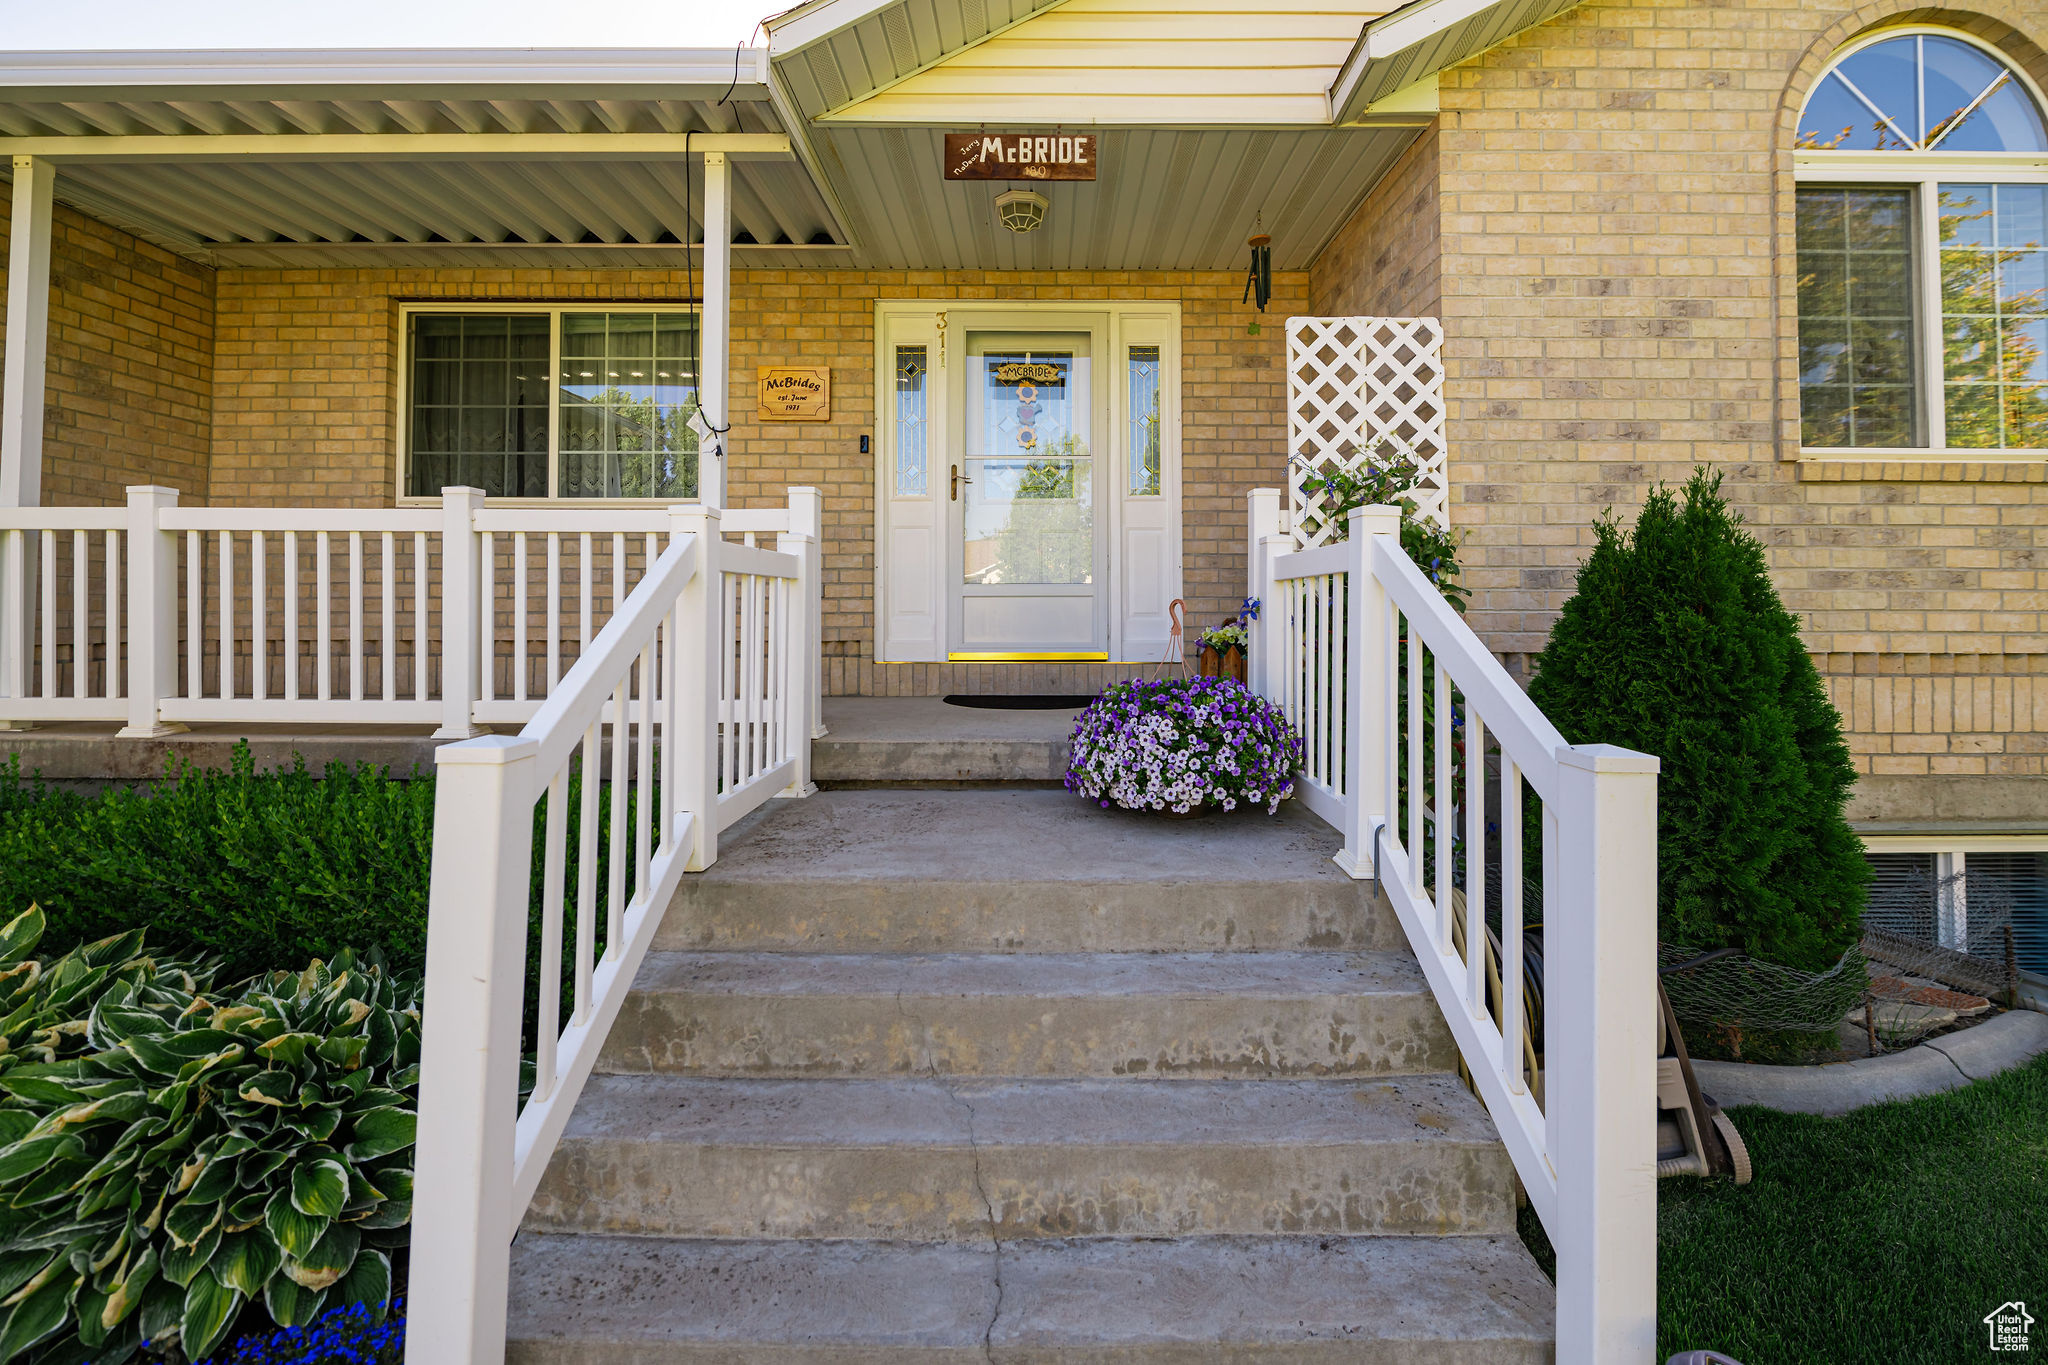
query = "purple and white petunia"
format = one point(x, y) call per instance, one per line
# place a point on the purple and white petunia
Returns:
point(1176, 744)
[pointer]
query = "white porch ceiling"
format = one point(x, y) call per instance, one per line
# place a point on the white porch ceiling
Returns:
point(1164, 199)
point(508, 209)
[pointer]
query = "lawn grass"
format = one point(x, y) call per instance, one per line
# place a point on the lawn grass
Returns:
point(1879, 1238)
point(1883, 1236)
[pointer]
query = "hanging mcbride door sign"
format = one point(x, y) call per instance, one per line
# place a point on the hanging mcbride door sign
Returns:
point(1020, 156)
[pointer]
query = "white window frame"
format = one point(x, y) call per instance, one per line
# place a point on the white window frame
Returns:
point(1951, 861)
point(554, 311)
point(1923, 171)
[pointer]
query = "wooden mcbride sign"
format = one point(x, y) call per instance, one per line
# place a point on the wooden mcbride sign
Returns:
point(1020, 156)
point(794, 393)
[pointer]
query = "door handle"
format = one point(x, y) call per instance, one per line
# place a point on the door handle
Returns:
point(958, 479)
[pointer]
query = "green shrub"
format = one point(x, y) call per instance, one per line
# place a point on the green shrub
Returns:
point(1676, 644)
point(1388, 480)
point(170, 1153)
point(257, 868)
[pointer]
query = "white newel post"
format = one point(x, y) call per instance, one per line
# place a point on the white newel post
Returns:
point(462, 613)
point(1600, 1039)
point(807, 517)
point(1369, 697)
point(463, 1219)
point(714, 386)
point(694, 683)
point(28, 335)
point(1262, 545)
point(152, 611)
point(800, 701)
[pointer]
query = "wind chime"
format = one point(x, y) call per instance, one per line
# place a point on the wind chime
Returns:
point(1258, 276)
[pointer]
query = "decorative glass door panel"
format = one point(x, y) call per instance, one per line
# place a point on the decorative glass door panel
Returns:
point(1029, 485)
point(1024, 488)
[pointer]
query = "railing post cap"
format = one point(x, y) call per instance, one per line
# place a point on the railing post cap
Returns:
point(1608, 758)
point(151, 490)
point(492, 750)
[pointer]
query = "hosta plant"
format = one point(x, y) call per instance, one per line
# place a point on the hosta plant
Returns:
point(1183, 743)
point(170, 1152)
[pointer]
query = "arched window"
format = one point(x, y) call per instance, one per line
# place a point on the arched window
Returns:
point(1922, 165)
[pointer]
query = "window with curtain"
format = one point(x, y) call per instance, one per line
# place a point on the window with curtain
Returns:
point(552, 402)
point(1922, 223)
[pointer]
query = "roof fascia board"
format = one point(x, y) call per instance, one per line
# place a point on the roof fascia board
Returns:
point(791, 33)
point(685, 73)
point(1393, 33)
point(276, 147)
point(839, 113)
point(807, 156)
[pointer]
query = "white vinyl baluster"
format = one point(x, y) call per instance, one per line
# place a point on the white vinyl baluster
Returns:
point(520, 593)
point(1416, 843)
point(618, 575)
point(227, 616)
point(291, 615)
point(81, 600)
point(728, 637)
point(643, 813)
point(114, 671)
point(550, 1002)
point(586, 871)
point(195, 616)
point(355, 615)
point(1443, 781)
point(554, 610)
point(259, 619)
point(419, 615)
point(619, 844)
point(47, 542)
point(1511, 924)
point(14, 612)
point(1475, 858)
point(387, 631)
point(487, 634)
point(323, 586)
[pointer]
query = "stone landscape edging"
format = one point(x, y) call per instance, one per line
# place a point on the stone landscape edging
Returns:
point(1949, 1062)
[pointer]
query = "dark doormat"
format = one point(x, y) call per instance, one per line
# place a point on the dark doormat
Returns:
point(1017, 701)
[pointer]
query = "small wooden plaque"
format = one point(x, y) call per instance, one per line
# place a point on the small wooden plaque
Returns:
point(794, 393)
point(1020, 156)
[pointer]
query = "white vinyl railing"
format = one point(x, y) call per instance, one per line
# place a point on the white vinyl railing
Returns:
point(460, 616)
point(1431, 761)
point(690, 708)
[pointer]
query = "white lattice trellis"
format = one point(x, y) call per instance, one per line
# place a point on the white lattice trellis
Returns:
point(1355, 388)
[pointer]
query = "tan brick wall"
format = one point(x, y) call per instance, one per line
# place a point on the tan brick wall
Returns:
point(305, 409)
point(1385, 261)
point(1619, 301)
point(131, 359)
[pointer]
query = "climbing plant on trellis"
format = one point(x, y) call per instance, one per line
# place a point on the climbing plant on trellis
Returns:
point(1360, 387)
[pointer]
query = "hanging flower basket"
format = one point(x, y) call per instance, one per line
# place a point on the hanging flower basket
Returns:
point(1182, 745)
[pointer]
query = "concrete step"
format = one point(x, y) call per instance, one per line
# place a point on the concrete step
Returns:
point(579, 1300)
point(1214, 1015)
point(1021, 871)
point(933, 1160)
point(924, 740)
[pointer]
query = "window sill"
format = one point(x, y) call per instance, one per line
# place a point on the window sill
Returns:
point(1921, 466)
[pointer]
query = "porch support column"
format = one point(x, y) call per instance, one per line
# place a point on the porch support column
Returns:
point(714, 385)
point(28, 335)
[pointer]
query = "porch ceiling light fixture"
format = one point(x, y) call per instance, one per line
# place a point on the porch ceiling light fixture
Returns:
point(1022, 210)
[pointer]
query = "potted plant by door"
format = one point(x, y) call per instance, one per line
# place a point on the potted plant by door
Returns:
point(1223, 647)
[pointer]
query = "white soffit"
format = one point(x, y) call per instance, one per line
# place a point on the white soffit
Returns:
point(1420, 39)
point(222, 211)
point(1164, 199)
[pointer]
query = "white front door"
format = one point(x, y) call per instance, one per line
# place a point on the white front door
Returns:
point(1024, 494)
point(1027, 480)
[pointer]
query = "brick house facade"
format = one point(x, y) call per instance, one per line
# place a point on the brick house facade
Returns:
point(1601, 213)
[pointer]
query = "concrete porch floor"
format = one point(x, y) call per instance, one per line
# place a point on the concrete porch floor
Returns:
point(871, 739)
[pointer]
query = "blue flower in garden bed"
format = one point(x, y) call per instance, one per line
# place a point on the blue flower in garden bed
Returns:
point(1183, 743)
point(341, 1336)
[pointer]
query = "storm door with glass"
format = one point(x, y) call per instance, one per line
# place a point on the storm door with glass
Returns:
point(1024, 499)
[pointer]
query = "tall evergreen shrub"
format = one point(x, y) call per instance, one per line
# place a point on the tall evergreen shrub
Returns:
point(1676, 644)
